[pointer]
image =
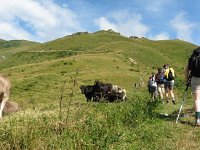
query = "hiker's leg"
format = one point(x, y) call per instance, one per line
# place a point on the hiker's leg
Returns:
point(171, 87)
point(172, 96)
point(156, 94)
point(197, 100)
point(166, 90)
point(160, 92)
point(195, 85)
point(152, 96)
point(197, 107)
point(167, 94)
point(163, 90)
point(172, 93)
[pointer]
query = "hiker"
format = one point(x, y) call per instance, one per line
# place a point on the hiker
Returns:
point(152, 87)
point(193, 71)
point(169, 83)
point(160, 83)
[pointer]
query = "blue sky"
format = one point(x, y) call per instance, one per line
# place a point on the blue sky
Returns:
point(46, 20)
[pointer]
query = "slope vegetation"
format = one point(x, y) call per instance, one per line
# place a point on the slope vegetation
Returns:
point(7, 48)
point(54, 114)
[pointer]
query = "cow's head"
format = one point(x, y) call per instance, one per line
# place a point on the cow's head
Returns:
point(82, 87)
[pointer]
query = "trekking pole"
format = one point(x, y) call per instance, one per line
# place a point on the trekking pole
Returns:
point(183, 101)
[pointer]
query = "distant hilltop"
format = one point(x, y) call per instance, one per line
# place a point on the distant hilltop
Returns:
point(5, 43)
point(106, 31)
point(101, 31)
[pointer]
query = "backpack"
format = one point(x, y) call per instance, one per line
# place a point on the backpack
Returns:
point(152, 82)
point(194, 63)
point(170, 75)
point(160, 78)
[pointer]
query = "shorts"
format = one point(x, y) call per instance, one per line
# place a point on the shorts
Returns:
point(169, 85)
point(195, 83)
point(161, 88)
point(152, 89)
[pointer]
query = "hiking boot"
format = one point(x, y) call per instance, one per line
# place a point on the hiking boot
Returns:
point(173, 101)
point(198, 122)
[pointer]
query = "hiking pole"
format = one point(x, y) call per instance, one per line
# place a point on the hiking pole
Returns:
point(183, 101)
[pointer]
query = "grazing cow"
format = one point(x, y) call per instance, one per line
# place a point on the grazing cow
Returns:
point(88, 91)
point(118, 93)
point(102, 90)
point(4, 92)
point(122, 94)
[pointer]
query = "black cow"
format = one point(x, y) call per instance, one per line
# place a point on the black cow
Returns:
point(88, 91)
point(102, 90)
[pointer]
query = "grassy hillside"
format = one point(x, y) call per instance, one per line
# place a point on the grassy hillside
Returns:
point(55, 115)
point(8, 48)
point(171, 51)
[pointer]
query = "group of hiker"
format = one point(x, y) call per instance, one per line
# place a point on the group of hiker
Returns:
point(161, 84)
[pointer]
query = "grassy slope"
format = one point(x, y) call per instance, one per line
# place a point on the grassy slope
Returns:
point(37, 80)
point(7, 48)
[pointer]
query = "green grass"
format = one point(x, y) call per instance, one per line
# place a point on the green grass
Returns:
point(47, 121)
point(22, 58)
point(7, 48)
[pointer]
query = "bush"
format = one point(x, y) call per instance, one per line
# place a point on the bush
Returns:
point(142, 109)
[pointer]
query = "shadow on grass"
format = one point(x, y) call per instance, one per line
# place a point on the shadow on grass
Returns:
point(187, 113)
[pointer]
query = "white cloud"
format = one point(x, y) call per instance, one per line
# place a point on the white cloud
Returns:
point(183, 27)
point(125, 23)
point(160, 36)
point(157, 5)
point(10, 31)
point(105, 24)
point(36, 20)
point(133, 27)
